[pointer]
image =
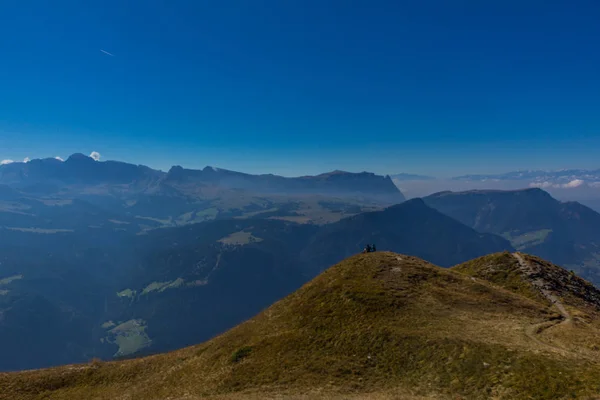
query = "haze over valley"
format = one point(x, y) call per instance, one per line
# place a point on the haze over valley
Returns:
point(117, 260)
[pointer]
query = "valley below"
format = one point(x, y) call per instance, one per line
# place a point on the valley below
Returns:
point(113, 262)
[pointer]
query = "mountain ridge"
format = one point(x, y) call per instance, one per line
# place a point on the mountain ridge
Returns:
point(383, 324)
point(364, 184)
point(565, 233)
point(79, 168)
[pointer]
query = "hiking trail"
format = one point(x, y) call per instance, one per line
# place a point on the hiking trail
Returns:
point(541, 285)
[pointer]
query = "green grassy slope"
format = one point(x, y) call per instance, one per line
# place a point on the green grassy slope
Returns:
point(374, 325)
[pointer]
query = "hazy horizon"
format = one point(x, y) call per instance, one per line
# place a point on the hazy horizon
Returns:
point(440, 176)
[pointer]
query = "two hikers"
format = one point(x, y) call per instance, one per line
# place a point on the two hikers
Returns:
point(369, 248)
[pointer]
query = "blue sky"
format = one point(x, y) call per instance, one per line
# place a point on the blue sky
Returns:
point(304, 86)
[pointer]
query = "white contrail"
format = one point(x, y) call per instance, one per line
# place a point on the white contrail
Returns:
point(106, 52)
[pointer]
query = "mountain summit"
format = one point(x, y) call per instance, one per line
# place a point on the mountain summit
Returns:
point(382, 324)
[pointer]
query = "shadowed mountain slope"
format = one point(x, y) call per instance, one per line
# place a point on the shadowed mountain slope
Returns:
point(411, 228)
point(173, 287)
point(566, 233)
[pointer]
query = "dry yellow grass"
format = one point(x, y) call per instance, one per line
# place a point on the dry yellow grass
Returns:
point(376, 326)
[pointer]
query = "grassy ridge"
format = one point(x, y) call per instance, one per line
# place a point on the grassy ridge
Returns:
point(374, 324)
point(501, 269)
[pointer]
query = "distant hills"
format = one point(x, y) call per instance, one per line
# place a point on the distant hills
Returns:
point(565, 174)
point(538, 178)
point(567, 233)
point(221, 284)
point(566, 185)
point(173, 287)
point(566, 178)
point(379, 325)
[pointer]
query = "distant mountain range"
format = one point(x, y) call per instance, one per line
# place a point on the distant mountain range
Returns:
point(337, 183)
point(567, 233)
point(147, 198)
point(567, 185)
point(80, 169)
point(567, 178)
point(77, 169)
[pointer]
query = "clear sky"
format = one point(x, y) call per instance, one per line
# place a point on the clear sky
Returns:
point(304, 86)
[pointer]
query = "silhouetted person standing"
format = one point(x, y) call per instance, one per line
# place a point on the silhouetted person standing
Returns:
point(373, 247)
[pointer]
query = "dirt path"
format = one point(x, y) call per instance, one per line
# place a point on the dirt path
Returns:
point(534, 330)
